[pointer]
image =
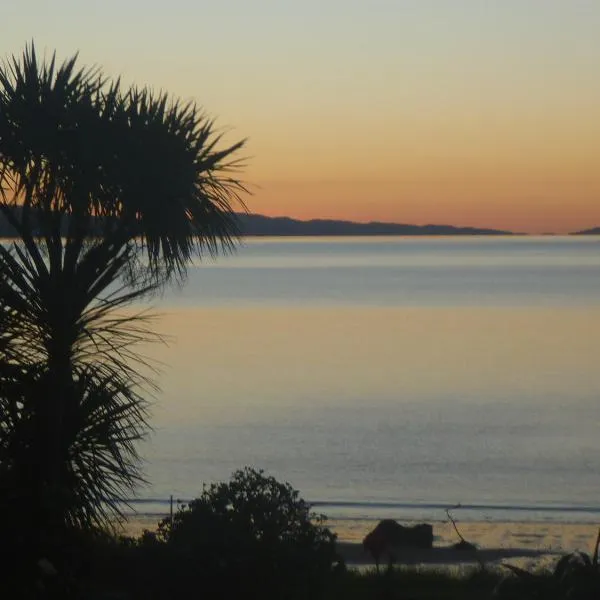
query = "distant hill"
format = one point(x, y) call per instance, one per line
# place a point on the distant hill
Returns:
point(593, 231)
point(259, 225)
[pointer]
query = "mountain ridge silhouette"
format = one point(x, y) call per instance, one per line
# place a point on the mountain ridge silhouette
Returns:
point(261, 225)
point(253, 224)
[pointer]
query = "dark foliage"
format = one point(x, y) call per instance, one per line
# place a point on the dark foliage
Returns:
point(253, 536)
point(575, 577)
point(110, 192)
point(414, 584)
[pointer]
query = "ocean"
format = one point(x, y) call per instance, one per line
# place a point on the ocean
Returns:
point(386, 377)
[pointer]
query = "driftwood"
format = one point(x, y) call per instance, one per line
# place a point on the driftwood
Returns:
point(595, 557)
point(463, 544)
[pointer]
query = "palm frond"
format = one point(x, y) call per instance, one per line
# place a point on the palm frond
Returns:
point(111, 192)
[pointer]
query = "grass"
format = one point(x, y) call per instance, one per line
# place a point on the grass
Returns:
point(408, 583)
point(122, 569)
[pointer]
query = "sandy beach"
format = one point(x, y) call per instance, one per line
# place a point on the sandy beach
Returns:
point(530, 545)
point(526, 544)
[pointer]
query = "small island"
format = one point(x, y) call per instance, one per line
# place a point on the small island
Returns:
point(592, 231)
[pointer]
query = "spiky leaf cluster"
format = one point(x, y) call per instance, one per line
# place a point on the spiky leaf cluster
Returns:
point(110, 192)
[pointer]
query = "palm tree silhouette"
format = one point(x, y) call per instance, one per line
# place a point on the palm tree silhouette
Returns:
point(110, 193)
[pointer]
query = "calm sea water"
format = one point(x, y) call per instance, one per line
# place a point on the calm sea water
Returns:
point(387, 376)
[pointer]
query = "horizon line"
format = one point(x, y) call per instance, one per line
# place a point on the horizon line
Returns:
point(406, 224)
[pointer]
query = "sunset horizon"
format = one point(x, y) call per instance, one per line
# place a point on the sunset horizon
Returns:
point(295, 293)
point(466, 113)
point(465, 223)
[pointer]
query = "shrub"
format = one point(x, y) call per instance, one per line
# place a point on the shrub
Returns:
point(252, 535)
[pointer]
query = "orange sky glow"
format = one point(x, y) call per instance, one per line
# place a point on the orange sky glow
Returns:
point(418, 111)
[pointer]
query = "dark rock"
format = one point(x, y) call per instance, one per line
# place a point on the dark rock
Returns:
point(389, 535)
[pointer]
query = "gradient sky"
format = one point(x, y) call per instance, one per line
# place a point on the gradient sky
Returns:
point(467, 112)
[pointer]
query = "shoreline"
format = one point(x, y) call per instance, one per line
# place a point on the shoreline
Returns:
point(529, 545)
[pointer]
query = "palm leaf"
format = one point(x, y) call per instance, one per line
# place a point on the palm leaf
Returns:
point(111, 192)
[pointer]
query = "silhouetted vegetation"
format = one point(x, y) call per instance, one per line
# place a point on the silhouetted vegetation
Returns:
point(110, 192)
point(252, 536)
point(575, 577)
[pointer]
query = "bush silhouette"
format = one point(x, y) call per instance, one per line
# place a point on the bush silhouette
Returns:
point(254, 535)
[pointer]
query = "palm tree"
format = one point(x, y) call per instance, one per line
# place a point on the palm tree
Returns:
point(110, 193)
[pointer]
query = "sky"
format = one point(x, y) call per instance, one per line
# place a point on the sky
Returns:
point(463, 112)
